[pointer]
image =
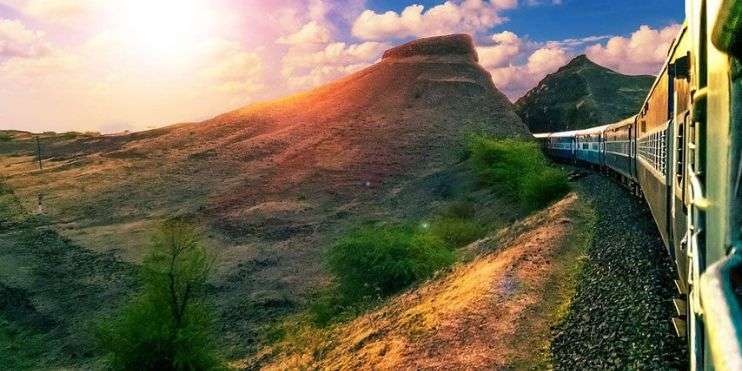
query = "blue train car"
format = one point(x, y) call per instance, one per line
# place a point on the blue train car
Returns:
point(558, 145)
point(589, 145)
point(620, 152)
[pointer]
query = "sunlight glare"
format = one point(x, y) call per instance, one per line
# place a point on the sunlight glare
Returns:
point(163, 28)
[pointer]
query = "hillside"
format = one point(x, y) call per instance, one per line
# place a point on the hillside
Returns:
point(582, 94)
point(271, 184)
point(494, 312)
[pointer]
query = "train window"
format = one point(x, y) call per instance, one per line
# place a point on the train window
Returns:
point(681, 67)
point(644, 126)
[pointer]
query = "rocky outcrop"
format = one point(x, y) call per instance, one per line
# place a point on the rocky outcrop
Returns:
point(450, 45)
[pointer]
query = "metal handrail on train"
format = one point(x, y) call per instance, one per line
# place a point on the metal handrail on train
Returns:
point(722, 313)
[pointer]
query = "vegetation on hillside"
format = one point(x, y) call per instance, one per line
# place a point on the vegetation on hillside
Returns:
point(167, 326)
point(582, 94)
point(373, 263)
point(519, 169)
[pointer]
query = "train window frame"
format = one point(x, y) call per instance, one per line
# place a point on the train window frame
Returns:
point(680, 153)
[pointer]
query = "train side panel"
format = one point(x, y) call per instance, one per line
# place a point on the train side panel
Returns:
point(589, 147)
point(654, 129)
point(562, 147)
point(618, 154)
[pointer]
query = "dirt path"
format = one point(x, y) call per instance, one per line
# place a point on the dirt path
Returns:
point(494, 312)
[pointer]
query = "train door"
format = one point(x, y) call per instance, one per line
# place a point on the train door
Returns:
point(680, 71)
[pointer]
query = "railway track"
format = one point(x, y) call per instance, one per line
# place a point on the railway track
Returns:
point(620, 315)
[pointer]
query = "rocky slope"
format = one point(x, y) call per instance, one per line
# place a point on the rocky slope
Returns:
point(274, 182)
point(582, 94)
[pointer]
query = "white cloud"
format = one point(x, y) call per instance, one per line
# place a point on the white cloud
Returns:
point(315, 55)
point(91, 85)
point(517, 65)
point(516, 80)
point(577, 43)
point(304, 68)
point(470, 16)
point(18, 41)
point(643, 52)
point(58, 10)
point(507, 46)
point(233, 70)
point(541, 2)
point(311, 33)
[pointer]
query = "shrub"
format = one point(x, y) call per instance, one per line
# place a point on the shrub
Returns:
point(538, 189)
point(456, 232)
point(381, 261)
point(517, 168)
point(70, 135)
point(459, 209)
point(4, 137)
point(166, 326)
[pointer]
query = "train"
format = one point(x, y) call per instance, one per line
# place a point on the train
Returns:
point(682, 152)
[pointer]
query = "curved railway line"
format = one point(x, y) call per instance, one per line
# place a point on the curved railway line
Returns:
point(682, 153)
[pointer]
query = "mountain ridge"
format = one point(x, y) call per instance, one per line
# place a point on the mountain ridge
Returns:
point(582, 94)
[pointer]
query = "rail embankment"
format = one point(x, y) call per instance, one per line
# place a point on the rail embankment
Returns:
point(620, 315)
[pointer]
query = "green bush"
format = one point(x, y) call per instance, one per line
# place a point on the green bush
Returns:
point(517, 168)
point(456, 232)
point(459, 209)
point(70, 135)
point(540, 189)
point(375, 262)
point(167, 325)
point(382, 261)
point(4, 137)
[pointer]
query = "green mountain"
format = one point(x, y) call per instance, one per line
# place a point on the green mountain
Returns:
point(582, 94)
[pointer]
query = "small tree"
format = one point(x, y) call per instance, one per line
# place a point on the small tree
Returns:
point(167, 325)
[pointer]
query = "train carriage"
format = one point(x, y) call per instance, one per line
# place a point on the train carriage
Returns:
point(618, 141)
point(558, 145)
point(589, 145)
point(684, 152)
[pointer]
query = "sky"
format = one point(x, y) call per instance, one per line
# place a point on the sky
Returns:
point(115, 65)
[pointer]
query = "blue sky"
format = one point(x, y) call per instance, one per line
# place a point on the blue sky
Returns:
point(574, 18)
point(112, 65)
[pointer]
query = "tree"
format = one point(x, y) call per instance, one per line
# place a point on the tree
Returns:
point(167, 324)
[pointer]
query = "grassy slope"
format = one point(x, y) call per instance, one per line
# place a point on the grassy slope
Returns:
point(495, 311)
point(243, 317)
point(51, 291)
point(271, 184)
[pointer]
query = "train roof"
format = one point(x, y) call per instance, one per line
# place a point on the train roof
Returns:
point(621, 123)
point(571, 133)
point(593, 130)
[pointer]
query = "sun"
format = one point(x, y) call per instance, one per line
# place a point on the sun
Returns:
point(162, 28)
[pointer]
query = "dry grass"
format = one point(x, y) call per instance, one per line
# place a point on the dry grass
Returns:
point(492, 313)
point(273, 183)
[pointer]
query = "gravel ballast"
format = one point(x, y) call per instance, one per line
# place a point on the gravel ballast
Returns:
point(620, 315)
